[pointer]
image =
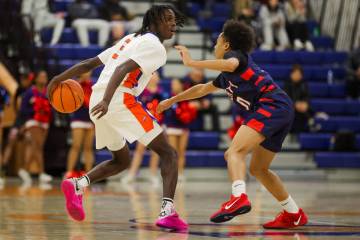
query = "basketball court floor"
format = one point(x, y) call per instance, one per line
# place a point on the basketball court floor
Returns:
point(115, 211)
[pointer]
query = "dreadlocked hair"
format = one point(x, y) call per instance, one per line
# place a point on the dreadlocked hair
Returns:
point(157, 14)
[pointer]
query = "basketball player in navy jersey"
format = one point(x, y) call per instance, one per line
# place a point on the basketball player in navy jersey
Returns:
point(268, 115)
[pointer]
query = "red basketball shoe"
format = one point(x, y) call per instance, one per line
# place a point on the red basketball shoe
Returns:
point(288, 220)
point(235, 206)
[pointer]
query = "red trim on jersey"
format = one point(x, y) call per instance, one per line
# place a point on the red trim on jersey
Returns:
point(266, 100)
point(255, 124)
point(115, 56)
point(139, 112)
point(265, 89)
point(132, 79)
point(258, 80)
point(264, 112)
point(247, 74)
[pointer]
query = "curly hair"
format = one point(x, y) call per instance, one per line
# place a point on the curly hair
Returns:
point(156, 13)
point(239, 35)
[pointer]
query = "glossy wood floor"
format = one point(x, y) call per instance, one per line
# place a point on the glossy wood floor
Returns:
point(122, 212)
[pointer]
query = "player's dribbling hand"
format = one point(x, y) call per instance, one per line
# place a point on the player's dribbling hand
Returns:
point(184, 53)
point(101, 108)
point(163, 105)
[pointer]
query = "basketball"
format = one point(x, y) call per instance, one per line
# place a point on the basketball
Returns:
point(67, 97)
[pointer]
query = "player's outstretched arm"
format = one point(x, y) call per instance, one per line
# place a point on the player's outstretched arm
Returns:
point(79, 68)
point(117, 77)
point(223, 65)
point(194, 92)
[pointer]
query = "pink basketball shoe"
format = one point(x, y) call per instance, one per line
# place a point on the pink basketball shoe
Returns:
point(172, 221)
point(73, 198)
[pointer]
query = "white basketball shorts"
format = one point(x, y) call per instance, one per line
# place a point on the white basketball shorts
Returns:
point(126, 120)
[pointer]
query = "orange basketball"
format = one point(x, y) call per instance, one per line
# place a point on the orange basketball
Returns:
point(67, 97)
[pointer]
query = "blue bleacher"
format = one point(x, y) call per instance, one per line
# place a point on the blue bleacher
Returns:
point(221, 10)
point(336, 106)
point(67, 36)
point(319, 141)
point(193, 158)
point(337, 159)
point(335, 123)
point(280, 72)
point(301, 57)
point(322, 42)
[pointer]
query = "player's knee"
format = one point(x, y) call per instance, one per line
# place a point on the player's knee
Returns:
point(232, 153)
point(120, 163)
point(169, 155)
point(257, 171)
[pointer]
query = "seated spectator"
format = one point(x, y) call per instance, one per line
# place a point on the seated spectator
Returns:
point(203, 105)
point(296, 25)
point(38, 12)
point(353, 75)
point(272, 19)
point(298, 91)
point(85, 17)
point(119, 17)
point(244, 11)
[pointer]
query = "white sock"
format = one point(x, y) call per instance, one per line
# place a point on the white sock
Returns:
point(84, 181)
point(238, 187)
point(167, 207)
point(289, 205)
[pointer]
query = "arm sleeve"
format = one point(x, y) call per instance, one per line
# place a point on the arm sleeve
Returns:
point(149, 56)
point(106, 54)
point(218, 82)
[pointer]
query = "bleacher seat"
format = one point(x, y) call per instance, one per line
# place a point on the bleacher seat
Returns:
point(193, 9)
point(61, 5)
point(193, 158)
point(319, 141)
point(221, 10)
point(204, 140)
point(337, 159)
point(334, 124)
point(301, 57)
point(68, 36)
point(322, 42)
point(336, 106)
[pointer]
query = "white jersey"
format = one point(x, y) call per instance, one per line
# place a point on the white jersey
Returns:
point(146, 50)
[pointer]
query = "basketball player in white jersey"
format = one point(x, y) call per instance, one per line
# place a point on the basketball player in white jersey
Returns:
point(120, 118)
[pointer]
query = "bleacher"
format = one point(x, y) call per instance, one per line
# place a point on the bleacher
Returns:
point(328, 97)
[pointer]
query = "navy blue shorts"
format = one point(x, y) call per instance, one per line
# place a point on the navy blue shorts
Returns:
point(273, 117)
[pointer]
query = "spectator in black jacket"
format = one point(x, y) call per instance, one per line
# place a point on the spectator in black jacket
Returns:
point(353, 78)
point(85, 17)
point(298, 91)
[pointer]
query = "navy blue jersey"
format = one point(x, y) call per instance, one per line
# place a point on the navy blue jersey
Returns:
point(262, 104)
point(248, 84)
